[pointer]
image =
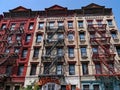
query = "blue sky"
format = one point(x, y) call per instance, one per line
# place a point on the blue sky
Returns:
point(6, 5)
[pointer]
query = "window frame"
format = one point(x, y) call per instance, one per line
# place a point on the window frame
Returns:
point(20, 70)
point(85, 69)
point(33, 69)
point(71, 52)
point(71, 69)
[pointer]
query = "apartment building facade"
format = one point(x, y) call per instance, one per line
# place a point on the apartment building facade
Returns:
point(17, 27)
point(69, 49)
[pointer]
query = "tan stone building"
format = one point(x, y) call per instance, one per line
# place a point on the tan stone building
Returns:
point(75, 49)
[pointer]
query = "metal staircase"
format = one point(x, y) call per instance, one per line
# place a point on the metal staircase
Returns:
point(50, 57)
point(102, 40)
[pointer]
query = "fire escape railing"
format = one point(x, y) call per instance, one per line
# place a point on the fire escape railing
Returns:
point(52, 44)
point(102, 40)
point(9, 58)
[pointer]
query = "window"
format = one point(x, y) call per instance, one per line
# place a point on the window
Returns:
point(20, 70)
point(99, 22)
point(28, 37)
point(46, 68)
point(24, 53)
point(36, 52)
point(17, 87)
point(38, 38)
point(60, 24)
point(12, 26)
point(60, 36)
point(18, 37)
point(111, 65)
point(92, 35)
point(7, 87)
point(90, 22)
point(70, 24)
point(85, 68)
point(59, 69)
point(71, 69)
point(3, 26)
point(33, 69)
point(82, 36)
point(16, 50)
point(60, 51)
point(114, 35)
point(95, 50)
point(31, 26)
point(22, 25)
point(51, 86)
point(51, 25)
point(41, 25)
point(71, 51)
point(109, 22)
point(83, 52)
point(98, 68)
point(96, 87)
point(118, 50)
point(73, 87)
point(70, 36)
point(9, 39)
point(63, 87)
point(9, 70)
point(86, 87)
point(80, 24)
point(7, 50)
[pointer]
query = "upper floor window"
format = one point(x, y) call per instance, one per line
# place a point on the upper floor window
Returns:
point(36, 52)
point(60, 36)
point(85, 68)
point(98, 68)
point(80, 24)
point(38, 38)
point(9, 39)
point(3, 26)
point(114, 35)
point(12, 27)
point(118, 50)
point(60, 51)
point(73, 87)
point(28, 38)
point(31, 26)
point(24, 53)
point(59, 69)
point(70, 24)
point(16, 50)
point(60, 24)
point(33, 69)
point(8, 69)
point(41, 25)
point(71, 69)
point(109, 22)
point(90, 22)
point(46, 66)
point(7, 50)
point(92, 35)
point(82, 36)
point(71, 51)
point(95, 50)
point(83, 52)
point(22, 25)
point(51, 25)
point(70, 36)
point(20, 70)
point(18, 37)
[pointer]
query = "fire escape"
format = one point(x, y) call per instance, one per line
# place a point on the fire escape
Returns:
point(51, 57)
point(8, 56)
point(104, 54)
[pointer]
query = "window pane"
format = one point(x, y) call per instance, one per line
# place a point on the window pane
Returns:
point(33, 69)
point(118, 50)
point(36, 52)
point(60, 35)
point(95, 50)
point(28, 37)
point(3, 26)
point(114, 35)
point(73, 87)
point(83, 51)
point(80, 24)
point(59, 69)
point(12, 26)
point(41, 25)
point(38, 38)
point(70, 24)
point(60, 24)
point(51, 24)
point(24, 53)
point(70, 36)
point(82, 36)
point(71, 51)
point(9, 70)
point(98, 68)
point(109, 22)
point(20, 70)
point(86, 87)
point(85, 68)
point(90, 22)
point(71, 69)
point(63, 87)
point(31, 26)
